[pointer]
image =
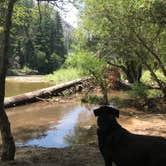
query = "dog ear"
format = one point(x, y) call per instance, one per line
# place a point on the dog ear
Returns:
point(100, 110)
point(106, 109)
point(97, 112)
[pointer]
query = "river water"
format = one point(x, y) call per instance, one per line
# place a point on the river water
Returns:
point(52, 125)
point(18, 84)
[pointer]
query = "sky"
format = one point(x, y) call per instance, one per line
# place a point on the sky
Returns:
point(70, 15)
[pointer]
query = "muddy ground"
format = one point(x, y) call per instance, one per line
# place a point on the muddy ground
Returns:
point(134, 120)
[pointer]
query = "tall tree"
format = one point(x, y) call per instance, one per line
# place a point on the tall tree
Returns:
point(59, 38)
point(8, 145)
point(40, 39)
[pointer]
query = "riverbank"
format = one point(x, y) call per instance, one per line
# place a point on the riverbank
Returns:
point(80, 155)
point(27, 78)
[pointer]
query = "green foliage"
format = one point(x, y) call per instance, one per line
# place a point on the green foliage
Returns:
point(64, 75)
point(139, 91)
point(161, 76)
point(26, 69)
point(153, 93)
point(129, 34)
point(147, 78)
point(36, 38)
point(90, 65)
point(40, 65)
point(55, 61)
point(92, 99)
point(87, 63)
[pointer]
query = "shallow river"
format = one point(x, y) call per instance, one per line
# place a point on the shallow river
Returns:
point(52, 125)
point(20, 84)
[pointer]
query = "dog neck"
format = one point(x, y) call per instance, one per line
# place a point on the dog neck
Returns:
point(115, 132)
point(110, 127)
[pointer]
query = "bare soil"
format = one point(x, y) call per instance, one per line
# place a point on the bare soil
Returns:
point(80, 155)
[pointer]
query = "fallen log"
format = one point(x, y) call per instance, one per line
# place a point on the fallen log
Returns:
point(35, 96)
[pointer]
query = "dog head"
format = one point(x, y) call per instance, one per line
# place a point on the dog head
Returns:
point(106, 116)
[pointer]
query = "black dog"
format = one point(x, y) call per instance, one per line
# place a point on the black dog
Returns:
point(124, 148)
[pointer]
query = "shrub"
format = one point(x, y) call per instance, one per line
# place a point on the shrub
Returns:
point(93, 66)
point(92, 99)
point(63, 75)
point(139, 90)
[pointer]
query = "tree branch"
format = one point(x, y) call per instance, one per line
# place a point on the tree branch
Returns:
point(153, 53)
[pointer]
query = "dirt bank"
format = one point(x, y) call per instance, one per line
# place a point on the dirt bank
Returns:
point(28, 78)
point(80, 155)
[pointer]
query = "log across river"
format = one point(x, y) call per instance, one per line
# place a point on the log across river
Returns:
point(38, 95)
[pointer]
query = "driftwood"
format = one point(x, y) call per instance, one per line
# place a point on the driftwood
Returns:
point(42, 93)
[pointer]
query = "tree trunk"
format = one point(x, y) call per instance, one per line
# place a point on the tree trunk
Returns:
point(8, 145)
point(105, 94)
point(133, 71)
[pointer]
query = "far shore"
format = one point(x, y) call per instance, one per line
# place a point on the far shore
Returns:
point(27, 78)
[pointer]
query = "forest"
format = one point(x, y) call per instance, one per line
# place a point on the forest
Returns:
point(36, 40)
point(120, 46)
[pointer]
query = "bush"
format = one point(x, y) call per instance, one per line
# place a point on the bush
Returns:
point(153, 93)
point(91, 65)
point(54, 63)
point(139, 90)
point(92, 99)
point(63, 75)
point(42, 62)
point(146, 77)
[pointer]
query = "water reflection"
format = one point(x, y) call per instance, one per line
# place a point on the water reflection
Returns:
point(55, 136)
point(50, 125)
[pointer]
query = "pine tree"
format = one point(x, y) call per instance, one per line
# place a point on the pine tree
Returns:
point(59, 44)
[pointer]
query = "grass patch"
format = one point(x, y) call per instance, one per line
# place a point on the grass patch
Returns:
point(92, 99)
point(63, 75)
point(117, 101)
point(139, 90)
point(153, 93)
